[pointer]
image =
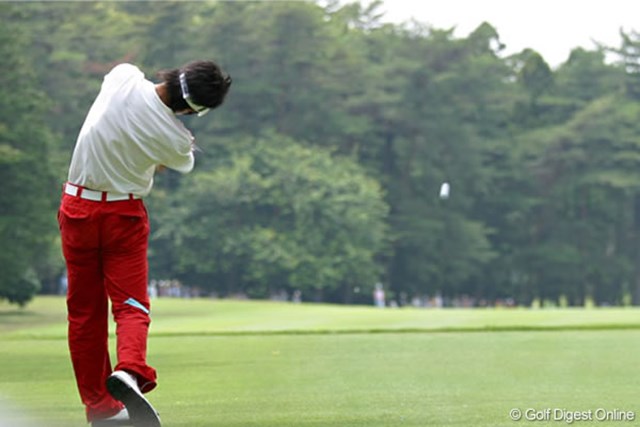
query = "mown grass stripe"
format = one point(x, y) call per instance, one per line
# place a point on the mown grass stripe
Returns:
point(470, 329)
point(378, 331)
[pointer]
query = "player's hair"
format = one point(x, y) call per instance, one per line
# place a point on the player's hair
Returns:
point(208, 84)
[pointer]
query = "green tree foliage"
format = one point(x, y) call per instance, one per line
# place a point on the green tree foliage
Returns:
point(26, 208)
point(441, 246)
point(586, 77)
point(321, 171)
point(275, 215)
point(590, 170)
point(630, 58)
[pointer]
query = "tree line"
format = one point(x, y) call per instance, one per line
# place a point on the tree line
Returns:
point(321, 172)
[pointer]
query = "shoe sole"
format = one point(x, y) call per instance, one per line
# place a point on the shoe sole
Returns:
point(140, 410)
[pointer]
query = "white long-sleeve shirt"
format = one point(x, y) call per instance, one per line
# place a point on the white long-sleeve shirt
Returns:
point(127, 133)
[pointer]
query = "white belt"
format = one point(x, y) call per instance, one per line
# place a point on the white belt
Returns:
point(96, 196)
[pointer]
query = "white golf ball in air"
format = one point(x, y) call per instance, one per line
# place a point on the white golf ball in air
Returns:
point(445, 190)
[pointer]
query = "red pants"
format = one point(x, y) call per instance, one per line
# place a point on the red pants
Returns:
point(105, 247)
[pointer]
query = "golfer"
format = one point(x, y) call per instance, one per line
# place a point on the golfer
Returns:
point(130, 130)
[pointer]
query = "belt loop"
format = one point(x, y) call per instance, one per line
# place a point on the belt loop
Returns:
point(80, 188)
point(103, 197)
point(130, 196)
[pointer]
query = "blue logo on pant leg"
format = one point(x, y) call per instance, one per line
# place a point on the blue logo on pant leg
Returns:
point(132, 302)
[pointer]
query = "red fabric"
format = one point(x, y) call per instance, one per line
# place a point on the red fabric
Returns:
point(105, 247)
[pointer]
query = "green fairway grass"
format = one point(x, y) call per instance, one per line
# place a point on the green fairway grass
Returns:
point(230, 363)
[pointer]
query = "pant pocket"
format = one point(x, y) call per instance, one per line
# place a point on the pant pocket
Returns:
point(77, 230)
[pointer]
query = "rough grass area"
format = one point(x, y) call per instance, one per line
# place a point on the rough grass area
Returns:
point(226, 363)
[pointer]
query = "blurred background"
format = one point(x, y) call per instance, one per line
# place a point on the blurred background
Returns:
point(319, 177)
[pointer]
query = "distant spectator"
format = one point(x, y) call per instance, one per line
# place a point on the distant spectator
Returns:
point(64, 284)
point(297, 296)
point(153, 289)
point(378, 296)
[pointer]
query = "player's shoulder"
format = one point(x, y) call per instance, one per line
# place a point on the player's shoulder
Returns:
point(124, 71)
